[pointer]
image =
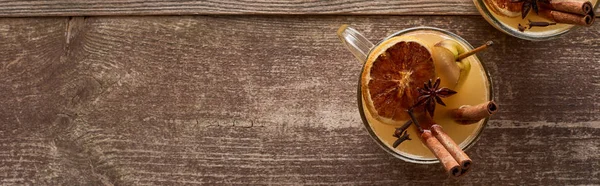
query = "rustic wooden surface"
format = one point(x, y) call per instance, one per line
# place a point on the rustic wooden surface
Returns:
point(268, 100)
point(13, 8)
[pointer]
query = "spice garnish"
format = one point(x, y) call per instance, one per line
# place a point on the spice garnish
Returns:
point(535, 24)
point(528, 5)
point(431, 93)
point(469, 114)
point(401, 134)
point(521, 28)
point(539, 24)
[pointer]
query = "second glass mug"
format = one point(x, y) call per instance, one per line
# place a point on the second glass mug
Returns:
point(361, 48)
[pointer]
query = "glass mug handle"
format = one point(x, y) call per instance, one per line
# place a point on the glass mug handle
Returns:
point(355, 42)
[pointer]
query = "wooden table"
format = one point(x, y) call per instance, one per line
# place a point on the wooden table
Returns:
point(131, 92)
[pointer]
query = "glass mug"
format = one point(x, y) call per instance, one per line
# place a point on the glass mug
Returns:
point(509, 25)
point(413, 150)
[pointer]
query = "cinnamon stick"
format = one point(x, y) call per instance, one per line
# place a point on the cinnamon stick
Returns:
point(567, 18)
point(578, 7)
point(472, 114)
point(452, 167)
point(457, 153)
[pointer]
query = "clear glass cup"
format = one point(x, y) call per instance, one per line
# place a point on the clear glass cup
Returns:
point(497, 23)
point(361, 47)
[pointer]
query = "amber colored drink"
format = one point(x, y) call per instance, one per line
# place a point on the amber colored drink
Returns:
point(472, 90)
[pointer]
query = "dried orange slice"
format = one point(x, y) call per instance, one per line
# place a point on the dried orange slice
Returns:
point(505, 7)
point(391, 75)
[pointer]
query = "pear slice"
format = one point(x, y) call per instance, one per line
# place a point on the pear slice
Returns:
point(447, 68)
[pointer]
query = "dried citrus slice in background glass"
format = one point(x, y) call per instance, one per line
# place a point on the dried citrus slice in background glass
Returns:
point(391, 75)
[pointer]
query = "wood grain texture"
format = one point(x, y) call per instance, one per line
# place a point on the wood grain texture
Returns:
point(268, 100)
point(213, 7)
point(170, 7)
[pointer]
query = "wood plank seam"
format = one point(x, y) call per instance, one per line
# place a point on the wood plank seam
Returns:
point(228, 7)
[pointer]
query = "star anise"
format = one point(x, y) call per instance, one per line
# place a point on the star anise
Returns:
point(528, 5)
point(430, 94)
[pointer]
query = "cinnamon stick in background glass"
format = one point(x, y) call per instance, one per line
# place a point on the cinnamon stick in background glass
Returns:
point(450, 164)
point(473, 114)
point(457, 153)
point(567, 18)
point(578, 7)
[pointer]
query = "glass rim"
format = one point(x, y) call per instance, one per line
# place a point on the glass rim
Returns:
point(489, 17)
point(374, 136)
